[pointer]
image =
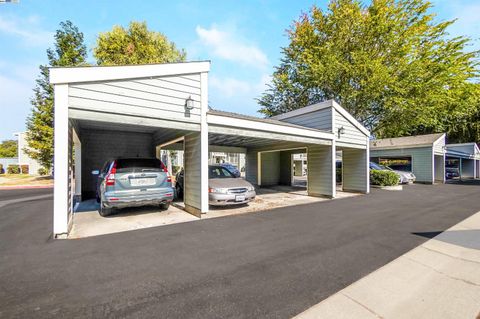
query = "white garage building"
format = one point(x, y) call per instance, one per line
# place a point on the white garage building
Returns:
point(466, 157)
point(425, 153)
point(134, 111)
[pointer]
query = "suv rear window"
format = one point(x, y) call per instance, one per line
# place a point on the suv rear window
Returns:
point(132, 163)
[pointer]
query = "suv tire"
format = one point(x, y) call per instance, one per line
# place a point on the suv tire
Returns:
point(179, 191)
point(105, 211)
point(164, 206)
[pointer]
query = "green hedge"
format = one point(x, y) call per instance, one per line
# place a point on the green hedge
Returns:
point(384, 178)
point(42, 171)
point(13, 169)
point(1, 169)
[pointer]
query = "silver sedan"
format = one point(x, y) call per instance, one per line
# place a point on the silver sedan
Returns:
point(225, 189)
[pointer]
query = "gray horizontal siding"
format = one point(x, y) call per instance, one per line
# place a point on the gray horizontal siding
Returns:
point(192, 182)
point(439, 147)
point(320, 171)
point(158, 98)
point(422, 160)
point(270, 165)
point(351, 134)
point(286, 167)
point(251, 167)
point(321, 119)
point(355, 172)
point(469, 149)
point(98, 146)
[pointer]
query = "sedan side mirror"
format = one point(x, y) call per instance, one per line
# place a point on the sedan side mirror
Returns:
point(96, 172)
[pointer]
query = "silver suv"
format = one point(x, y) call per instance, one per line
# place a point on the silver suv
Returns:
point(130, 182)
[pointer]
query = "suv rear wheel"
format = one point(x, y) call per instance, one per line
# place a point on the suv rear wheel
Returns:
point(164, 206)
point(105, 211)
point(179, 191)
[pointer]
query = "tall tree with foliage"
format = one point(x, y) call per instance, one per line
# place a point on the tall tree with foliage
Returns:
point(135, 45)
point(9, 148)
point(69, 50)
point(389, 64)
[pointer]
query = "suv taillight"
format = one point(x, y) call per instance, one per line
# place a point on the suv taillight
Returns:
point(169, 178)
point(110, 179)
point(164, 168)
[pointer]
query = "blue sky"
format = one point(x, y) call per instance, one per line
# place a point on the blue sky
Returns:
point(241, 38)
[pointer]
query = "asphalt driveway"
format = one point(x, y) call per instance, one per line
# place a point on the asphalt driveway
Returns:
point(271, 264)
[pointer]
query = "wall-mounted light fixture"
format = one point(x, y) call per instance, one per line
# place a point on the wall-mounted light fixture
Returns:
point(341, 130)
point(189, 103)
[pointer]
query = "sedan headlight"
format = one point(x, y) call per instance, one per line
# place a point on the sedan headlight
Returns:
point(250, 188)
point(218, 190)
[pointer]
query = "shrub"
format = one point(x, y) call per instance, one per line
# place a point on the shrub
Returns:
point(13, 169)
point(176, 169)
point(42, 171)
point(1, 169)
point(384, 178)
point(24, 169)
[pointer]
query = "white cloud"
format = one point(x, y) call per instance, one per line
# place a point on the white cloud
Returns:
point(232, 47)
point(466, 12)
point(27, 30)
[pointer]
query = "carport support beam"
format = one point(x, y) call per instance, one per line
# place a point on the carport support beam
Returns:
point(60, 190)
point(321, 170)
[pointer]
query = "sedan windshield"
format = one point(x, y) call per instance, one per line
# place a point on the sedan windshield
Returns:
point(377, 166)
point(219, 172)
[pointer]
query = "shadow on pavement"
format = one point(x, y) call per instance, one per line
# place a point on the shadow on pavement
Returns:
point(468, 238)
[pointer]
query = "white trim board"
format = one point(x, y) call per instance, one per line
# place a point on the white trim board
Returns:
point(108, 73)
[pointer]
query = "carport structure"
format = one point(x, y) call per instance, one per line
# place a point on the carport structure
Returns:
point(135, 111)
point(426, 154)
point(467, 155)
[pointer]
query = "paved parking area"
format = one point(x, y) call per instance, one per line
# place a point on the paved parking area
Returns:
point(88, 222)
point(270, 265)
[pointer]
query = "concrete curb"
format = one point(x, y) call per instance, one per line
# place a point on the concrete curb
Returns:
point(25, 187)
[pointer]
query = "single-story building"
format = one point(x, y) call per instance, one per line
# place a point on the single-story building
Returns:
point(136, 111)
point(465, 157)
point(424, 153)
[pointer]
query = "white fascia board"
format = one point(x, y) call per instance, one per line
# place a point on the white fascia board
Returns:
point(350, 118)
point(109, 73)
point(267, 127)
point(374, 148)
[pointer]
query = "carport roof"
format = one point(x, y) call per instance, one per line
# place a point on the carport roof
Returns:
point(259, 119)
point(407, 141)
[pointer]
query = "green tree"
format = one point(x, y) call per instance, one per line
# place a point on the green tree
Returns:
point(135, 45)
point(69, 50)
point(8, 148)
point(389, 64)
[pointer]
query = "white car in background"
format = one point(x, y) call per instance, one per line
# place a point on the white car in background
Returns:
point(405, 177)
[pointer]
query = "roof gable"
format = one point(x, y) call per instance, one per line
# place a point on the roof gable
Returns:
point(320, 106)
point(407, 141)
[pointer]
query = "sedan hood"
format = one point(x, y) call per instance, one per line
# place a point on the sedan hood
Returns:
point(404, 173)
point(228, 183)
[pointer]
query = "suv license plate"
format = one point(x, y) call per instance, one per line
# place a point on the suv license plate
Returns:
point(142, 181)
point(239, 198)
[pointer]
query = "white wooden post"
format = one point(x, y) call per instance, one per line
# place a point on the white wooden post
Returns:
point(60, 191)
point(204, 142)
